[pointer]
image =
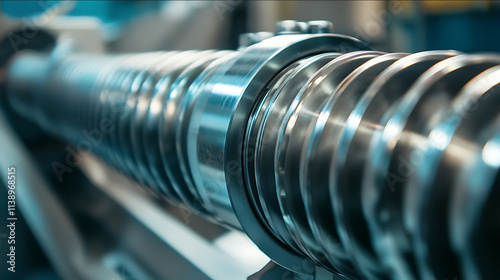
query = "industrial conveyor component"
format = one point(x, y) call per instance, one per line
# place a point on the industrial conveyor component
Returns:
point(372, 165)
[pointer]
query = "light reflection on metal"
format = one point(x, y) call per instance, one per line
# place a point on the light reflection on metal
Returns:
point(323, 152)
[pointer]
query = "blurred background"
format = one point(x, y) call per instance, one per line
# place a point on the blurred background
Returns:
point(131, 26)
point(136, 26)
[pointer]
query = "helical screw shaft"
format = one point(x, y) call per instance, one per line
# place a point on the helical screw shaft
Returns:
point(373, 165)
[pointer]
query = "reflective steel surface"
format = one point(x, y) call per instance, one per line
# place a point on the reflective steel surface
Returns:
point(368, 164)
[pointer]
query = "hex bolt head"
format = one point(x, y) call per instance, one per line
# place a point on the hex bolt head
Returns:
point(290, 27)
point(245, 40)
point(320, 26)
point(248, 39)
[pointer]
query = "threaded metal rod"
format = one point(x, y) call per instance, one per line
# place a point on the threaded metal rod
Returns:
point(361, 153)
point(372, 165)
point(132, 110)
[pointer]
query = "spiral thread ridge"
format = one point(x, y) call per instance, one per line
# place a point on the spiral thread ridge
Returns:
point(373, 165)
point(373, 158)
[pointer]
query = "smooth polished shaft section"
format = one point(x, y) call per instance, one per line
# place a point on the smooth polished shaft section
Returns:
point(372, 165)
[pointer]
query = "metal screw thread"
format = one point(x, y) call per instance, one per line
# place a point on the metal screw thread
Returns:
point(373, 165)
point(132, 110)
point(382, 165)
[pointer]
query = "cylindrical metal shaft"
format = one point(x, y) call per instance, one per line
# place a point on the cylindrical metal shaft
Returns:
point(369, 164)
